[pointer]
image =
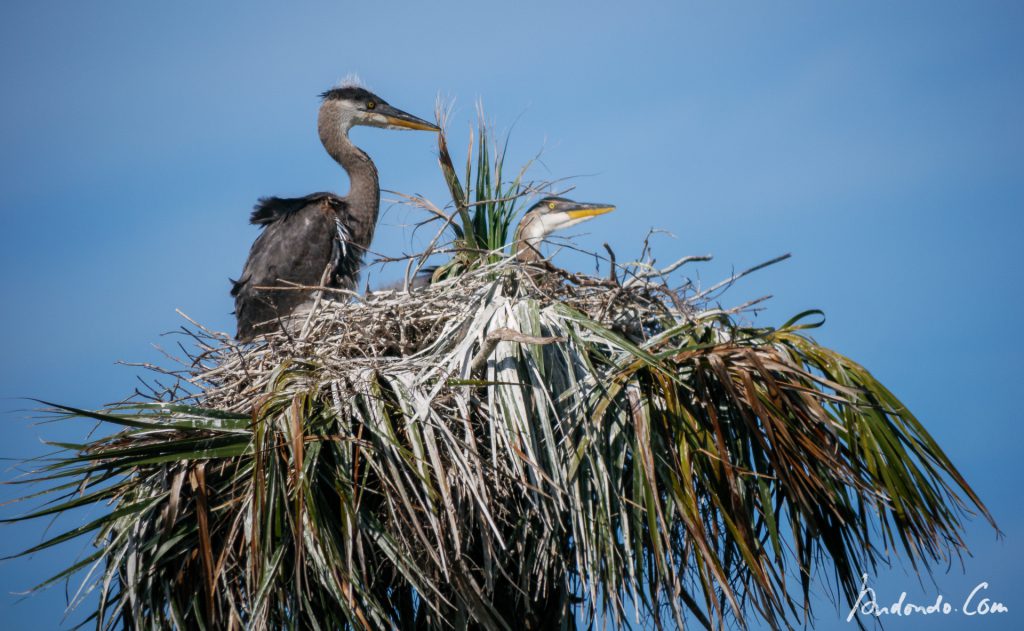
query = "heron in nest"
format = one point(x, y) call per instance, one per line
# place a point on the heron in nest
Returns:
point(547, 216)
point(319, 239)
point(544, 218)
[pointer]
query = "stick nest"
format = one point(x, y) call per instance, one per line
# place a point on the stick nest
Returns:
point(343, 335)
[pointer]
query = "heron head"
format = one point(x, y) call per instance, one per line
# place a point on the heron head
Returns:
point(557, 213)
point(353, 105)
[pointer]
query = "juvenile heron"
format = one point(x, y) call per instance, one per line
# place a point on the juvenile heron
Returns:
point(544, 218)
point(322, 236)
point(547, 216)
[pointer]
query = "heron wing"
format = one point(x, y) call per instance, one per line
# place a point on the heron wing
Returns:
point(271, 209)
point(300, 238)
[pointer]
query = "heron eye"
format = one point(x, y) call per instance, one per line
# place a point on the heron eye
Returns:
point(370, 105)
point(551, 205)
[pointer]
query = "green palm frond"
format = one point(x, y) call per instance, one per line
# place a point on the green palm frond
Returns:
point(486, 205)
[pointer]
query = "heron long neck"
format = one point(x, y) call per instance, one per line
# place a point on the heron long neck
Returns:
point(529, 236)
point(364, 187)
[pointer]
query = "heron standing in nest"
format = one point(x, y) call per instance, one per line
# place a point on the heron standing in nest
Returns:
point(320, 238)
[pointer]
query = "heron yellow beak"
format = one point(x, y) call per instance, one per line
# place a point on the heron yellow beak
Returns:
point(421, 125)
point(590, 210)
point(396, 118)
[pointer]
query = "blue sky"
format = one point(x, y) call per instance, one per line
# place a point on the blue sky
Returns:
point(881, 143)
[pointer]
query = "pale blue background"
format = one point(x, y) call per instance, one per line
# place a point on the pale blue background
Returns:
point(879, 142)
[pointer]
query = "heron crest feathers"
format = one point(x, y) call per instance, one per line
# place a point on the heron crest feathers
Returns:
point(352, 88)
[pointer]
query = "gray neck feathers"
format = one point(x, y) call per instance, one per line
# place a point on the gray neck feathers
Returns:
point(529, 236)
point(364, 186)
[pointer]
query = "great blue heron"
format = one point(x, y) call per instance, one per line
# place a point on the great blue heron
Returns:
point(322, 236)
point(545, 217)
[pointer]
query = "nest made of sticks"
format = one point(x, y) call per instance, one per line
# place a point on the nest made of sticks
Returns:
point(343, 333)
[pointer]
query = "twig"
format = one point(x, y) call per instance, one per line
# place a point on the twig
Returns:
point(612, 276)
point(643, 277)
point(505, 335)
point(316, 302)
point(732, 279)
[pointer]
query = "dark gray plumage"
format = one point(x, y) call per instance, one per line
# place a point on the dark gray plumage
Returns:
point(322, 236)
